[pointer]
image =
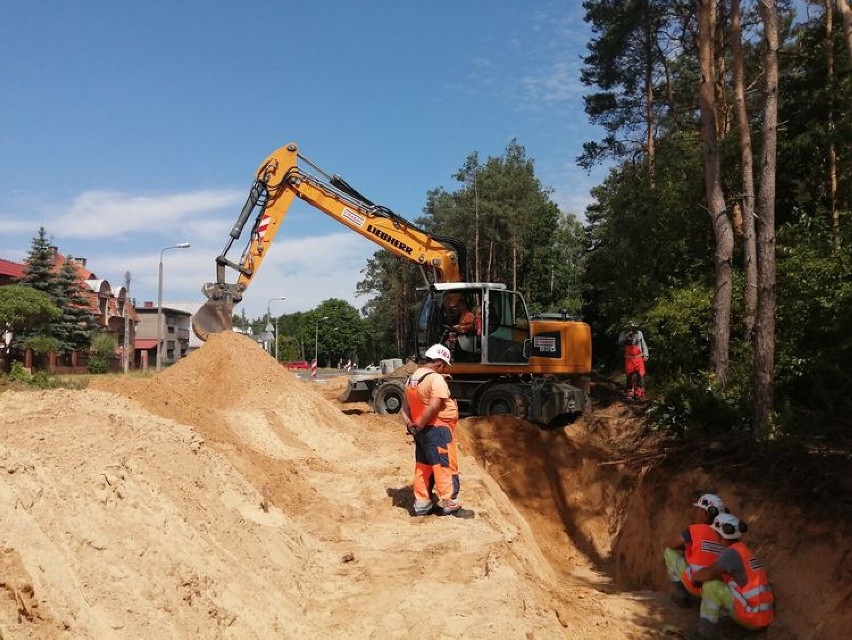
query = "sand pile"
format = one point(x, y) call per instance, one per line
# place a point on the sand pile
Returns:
point(136, 510)
point(226, 498)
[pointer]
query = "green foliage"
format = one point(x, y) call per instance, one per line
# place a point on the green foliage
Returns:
point(25, 308)
point(625, 52)
point(818, 115)
point(18, 372)
point(513, 234)
point(41, 344)
point(392, 284)
point(814, 328)
point(103, 344)
point(693, 404)
point(39, 265)
point(103, 347)
point(41, 379)
point(75, 326)
point(98, 364)
point(679, 326)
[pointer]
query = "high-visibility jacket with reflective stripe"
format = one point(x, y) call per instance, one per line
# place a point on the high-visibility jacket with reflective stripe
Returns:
point(754, 603)
point(702, 551)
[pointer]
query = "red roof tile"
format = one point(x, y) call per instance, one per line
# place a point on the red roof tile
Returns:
point(11, 269)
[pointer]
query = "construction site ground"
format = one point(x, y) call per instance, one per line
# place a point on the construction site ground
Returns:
point(225, 497)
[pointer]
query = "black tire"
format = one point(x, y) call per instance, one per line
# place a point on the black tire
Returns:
point(387, 400)
point(502, 401)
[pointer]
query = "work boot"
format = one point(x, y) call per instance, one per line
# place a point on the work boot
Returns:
point(424, 508)
point(629, 394)
point(458, 512)
point(680, 596)
point(706, 631)
point(639, 394)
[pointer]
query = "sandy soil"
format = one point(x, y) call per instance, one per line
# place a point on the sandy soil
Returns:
point(227, 498)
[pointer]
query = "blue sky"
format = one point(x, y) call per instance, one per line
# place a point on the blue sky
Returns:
point(130, 127)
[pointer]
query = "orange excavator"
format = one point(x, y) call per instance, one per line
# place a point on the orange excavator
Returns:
point(505, 362)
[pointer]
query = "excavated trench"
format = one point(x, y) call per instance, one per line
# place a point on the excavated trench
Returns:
point(603, 496)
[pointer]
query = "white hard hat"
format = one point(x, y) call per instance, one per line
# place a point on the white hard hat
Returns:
point(710, 501)
point(438, 352)
point(729, 526)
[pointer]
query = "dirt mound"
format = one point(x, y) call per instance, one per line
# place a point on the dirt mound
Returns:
point(226, 497)
point(137, 510)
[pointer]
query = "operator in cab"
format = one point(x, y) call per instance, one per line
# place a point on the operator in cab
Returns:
point(459, 317)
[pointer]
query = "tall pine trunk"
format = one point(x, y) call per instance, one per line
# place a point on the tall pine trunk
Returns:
point(846, 13)
point(834, 214)
point(749, 249)
point(722, 229)
point(763, 386)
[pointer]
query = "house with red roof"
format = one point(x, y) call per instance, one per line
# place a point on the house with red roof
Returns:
point(10, 271)
point(111, 306)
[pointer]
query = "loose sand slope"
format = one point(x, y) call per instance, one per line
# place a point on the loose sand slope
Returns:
point(137, 511)
point(225, 497)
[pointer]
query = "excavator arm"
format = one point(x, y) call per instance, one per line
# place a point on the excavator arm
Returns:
point(279, 180)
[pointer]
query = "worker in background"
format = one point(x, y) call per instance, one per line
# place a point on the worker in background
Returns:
point(635, 356)
point(698, 546)
point(735, 585)
point(431, 416)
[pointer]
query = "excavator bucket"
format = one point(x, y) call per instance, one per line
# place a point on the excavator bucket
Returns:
point(214, 316)
point(356, 391)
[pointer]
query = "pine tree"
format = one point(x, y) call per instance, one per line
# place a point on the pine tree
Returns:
point(39, 265)
point(75, 327)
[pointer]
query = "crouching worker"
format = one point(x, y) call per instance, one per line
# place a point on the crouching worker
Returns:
point(735, 585)
point(431, 416)
point(698, 546)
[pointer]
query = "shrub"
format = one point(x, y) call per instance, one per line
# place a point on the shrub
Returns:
point(42, 380)
point(98, 364)
point(104, 345)
point(19, 373)
point(689, 405)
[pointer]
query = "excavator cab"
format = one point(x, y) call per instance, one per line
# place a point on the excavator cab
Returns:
point(499, 331)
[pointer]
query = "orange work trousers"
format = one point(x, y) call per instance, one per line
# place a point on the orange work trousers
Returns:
point(435, 464)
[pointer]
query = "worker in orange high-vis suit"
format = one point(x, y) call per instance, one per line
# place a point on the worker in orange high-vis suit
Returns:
point(697, 546)
point(635, 357)
point(431, 416)
point(735, 585)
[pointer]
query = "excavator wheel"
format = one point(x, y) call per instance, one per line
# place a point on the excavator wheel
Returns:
point(387, 399)
point(502, 400)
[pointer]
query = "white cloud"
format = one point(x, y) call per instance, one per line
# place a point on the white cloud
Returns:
point(560, 84)
point(307, 271)
point(105, 214)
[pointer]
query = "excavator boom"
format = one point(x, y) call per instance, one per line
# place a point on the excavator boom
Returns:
point(504, 360)
point(279, 180)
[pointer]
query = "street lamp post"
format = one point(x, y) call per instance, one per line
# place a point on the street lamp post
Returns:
point(180, 245)
point(269, 316)
point(316, 340)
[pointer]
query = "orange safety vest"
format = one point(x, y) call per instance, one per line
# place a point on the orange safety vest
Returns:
point(416, 406)
point(754, 603)
point(632, 351)
point(703, 551)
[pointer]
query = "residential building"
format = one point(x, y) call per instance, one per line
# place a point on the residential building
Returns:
point(112, 308)
point(175, 332)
